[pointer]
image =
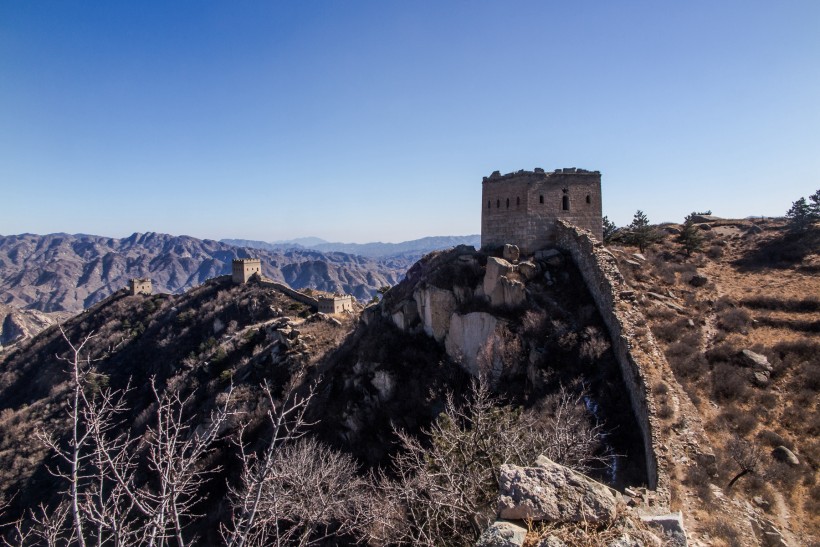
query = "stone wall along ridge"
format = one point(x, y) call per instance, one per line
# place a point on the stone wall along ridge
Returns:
point(613, 297)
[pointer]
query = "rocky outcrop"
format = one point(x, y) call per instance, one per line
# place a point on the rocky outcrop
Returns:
point(468, 335)
point(553, 493)
point(500, 287)
point(17, 325)
point(435, 306)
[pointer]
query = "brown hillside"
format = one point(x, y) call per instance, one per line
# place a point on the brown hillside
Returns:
point(754, 287)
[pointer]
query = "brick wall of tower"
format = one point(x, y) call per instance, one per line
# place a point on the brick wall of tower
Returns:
point(522, 208)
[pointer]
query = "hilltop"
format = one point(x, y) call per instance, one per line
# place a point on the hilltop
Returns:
point(378, 386)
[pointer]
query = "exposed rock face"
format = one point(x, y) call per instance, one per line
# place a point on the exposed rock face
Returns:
point(554, 493)
point(502, 534)
point(501, 290)
point(17, 324)
point(435, 307)
point(511, 253)
point(468, 334)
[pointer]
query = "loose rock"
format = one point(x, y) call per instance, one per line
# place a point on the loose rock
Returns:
point(502, 534)
point(554, 493)
point(783, 454)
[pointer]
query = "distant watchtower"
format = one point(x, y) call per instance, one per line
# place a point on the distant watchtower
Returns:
point(335, 304)
point(139, 286)
point(244, 268)
point(521, 208)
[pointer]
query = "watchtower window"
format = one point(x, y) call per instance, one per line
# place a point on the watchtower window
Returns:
point(517, 202)
point(565, 203)
point(588, 199)
point(541, 199)
point(497, 203)
point(508, 203)
point(489, 204)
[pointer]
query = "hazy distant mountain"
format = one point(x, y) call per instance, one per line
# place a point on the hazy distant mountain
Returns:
point(58, 272)
point(410, 250)
point(304, 242)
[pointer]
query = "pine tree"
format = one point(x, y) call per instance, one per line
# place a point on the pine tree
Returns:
point(690, 237)
point(800, 215)
point(609, 229)
point(641, 233)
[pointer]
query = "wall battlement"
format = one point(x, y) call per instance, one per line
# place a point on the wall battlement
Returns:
point(521, 208)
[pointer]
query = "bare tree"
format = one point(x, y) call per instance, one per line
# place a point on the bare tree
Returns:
point(444, 492)
point(103, 488)
point(746, 455)
point(250, 522)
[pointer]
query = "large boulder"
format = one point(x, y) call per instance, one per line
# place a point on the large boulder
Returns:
point(755, 360)
point(435, 306)
point(783, 454)
point(496, 269)
point(502, 534)
point(551, 492)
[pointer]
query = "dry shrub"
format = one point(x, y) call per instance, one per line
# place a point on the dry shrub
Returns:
point(805, 305)
point(723, 529)
point(741, 422)
point(671, 330)
point(773, 439)
point(715, 252)
point(812, 503)
point(698, 478)
point(728, 384)
point(734, 320)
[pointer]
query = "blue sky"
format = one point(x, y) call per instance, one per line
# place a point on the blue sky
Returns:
point(362, 121)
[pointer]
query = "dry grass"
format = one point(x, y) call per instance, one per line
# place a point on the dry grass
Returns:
point(772, 309)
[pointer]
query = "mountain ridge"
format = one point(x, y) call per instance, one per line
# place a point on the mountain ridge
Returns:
point(64, 272)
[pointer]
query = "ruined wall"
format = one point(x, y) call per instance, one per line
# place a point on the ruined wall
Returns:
point(634, 348)
point(296, 295)
point(521, 208)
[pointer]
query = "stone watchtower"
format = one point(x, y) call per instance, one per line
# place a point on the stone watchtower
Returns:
point(242, 269)
point(521, 208)
point(139, 286)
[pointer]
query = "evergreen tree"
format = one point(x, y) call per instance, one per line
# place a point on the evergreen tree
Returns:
point(800, 215)
point(609, 229)
point(641, 233)
point(690, 237)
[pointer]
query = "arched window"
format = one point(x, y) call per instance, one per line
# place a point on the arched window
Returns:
point(489, 204)
point(588, 199)
point(541, 199)
point(565, 203)
point(497, 203)
point(517, 202)
point(508, 203)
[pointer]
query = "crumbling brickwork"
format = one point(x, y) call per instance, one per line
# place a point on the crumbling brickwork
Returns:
point(522, 208)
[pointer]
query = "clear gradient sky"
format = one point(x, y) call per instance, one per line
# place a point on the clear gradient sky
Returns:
point(362, 121)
